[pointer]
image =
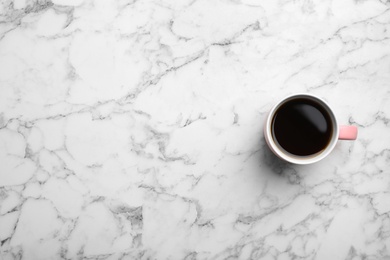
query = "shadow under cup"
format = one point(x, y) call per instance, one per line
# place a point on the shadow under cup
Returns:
point(301, 129)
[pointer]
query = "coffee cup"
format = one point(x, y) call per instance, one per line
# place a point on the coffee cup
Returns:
point(302, 129)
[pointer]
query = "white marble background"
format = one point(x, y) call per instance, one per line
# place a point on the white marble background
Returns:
point(133, 129)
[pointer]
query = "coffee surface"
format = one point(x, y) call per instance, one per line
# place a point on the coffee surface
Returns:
point(302, 127)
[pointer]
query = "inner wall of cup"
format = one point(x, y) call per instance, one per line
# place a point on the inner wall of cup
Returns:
point(332, 141)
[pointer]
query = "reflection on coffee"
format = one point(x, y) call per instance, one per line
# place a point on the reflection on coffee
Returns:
point(302, 127)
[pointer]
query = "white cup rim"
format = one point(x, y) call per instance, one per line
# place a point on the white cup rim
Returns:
point(294, 158)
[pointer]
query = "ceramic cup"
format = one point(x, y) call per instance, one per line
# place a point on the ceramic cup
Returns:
point(338, 132)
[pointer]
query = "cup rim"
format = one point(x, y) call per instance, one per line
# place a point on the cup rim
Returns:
point(294, 158)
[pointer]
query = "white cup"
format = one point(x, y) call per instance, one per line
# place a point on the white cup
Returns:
point(338, 132)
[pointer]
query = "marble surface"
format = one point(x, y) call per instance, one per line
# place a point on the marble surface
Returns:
point(133, 129)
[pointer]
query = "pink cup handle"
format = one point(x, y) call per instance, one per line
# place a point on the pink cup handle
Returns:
point(347, 132)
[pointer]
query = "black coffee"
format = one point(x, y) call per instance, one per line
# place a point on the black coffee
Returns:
point(302, 127)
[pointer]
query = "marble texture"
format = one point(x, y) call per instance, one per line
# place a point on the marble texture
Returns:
point(133, 129)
